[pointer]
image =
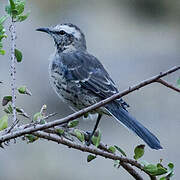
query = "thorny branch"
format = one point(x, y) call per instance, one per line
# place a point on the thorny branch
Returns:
point(39, 130)
point(13, 69)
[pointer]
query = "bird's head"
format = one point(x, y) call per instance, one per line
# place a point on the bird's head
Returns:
point(66, 37)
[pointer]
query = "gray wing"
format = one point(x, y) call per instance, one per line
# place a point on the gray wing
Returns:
point(86, 69)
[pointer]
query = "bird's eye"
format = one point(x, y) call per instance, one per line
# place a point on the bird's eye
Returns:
point(62, 32)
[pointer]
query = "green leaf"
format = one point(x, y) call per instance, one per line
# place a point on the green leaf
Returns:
point(90, 157)
point(31, 138)
point(8, 110)
point(37, 117)
point(8, 9)
point(155, 170)
point(96, 138)
point(4, 122)
point(2, 19)
point(12, 4)
point(112, 149)
point(21, 112)
point(151, 168)
point(79, 135)
point(170, 172)
point(3, 36)
point(120, 150)
point(6, 100)
point(162, 178)
point(21, 18)
point(24, 90)
point(18, 55)
point(161, 170)
point(72, 124)
point(171, 166)
point(60, 131)
point(2, 51)
point(19, 6)
point(139, 151)
point(178, 82)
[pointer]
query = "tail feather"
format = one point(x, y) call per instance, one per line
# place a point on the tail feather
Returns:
point(126, 119)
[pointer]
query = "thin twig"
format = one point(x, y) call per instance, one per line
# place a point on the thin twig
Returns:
point(104, 148)
point(85, 110)
point(163, 82)
point(13, 69)
point(131, 171)
point(95, 151)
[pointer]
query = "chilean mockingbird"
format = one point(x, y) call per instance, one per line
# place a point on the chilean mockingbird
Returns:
point(81, 80)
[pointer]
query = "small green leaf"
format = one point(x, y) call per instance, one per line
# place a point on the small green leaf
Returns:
point(2, 19)
point(20, 6)
point(4, 122)
point(112, 149)
point(72, 124)
point(170, 172)
point(2, 51)
point(96, 138)
point(155, 170)
point(139, 151)
point(24, 90)
point(21, 18)
point(6, 100)
point(37, 117)
point(90, 157)
point(21, 112)
point(79, 135)
point(151, 168)
point(31, 138)
point(12, 4)
point(18, 55)
point(8, 110)
point(3, 36)
point(178, 82)
point(171, 166)
point(120, 150)
point(163, 178)
point(60, 131)
point(8, 9)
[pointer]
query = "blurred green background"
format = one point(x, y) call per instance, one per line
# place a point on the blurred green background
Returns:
point(134, 39)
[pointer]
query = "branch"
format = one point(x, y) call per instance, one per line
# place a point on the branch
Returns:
point(103, 147)
point(168, 85)
point(34, 128)
point(13, 70)
point(78, 114)
point(104, 153)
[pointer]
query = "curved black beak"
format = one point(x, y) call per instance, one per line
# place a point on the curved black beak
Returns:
point(47, 30)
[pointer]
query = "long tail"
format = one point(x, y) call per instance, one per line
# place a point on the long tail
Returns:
point(125, 118)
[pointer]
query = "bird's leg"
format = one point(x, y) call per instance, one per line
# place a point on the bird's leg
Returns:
point(94, 130)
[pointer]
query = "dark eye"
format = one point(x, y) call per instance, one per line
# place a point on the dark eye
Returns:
point(61, 32)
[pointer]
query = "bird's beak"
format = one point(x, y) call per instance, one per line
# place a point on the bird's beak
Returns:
point(47, 30)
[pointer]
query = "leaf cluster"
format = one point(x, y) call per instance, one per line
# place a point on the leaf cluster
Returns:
point(15, 9)
point(2, 34)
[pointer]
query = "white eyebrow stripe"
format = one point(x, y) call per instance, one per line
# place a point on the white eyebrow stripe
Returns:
point(69, 30)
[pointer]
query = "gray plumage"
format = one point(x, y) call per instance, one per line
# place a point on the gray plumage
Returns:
point(81, 80)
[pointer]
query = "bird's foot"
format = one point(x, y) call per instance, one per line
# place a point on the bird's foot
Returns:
point(89, 137)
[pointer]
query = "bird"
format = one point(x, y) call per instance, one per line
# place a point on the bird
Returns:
point(81, 80)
